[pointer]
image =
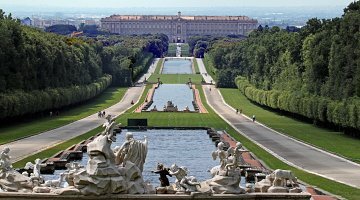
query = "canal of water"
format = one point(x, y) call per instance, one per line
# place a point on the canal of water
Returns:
point(189, 148)
point(177, 66)
point(180, 94)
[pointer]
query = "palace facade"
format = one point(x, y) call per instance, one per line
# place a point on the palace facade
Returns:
point(177, 27)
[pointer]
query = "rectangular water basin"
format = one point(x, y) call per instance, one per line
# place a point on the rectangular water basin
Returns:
point(177, 66)
point(181, 95)
point(189, 148)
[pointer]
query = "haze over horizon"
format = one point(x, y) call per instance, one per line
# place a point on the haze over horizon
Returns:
point(12, 4)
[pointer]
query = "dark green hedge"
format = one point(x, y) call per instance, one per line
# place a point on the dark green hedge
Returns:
point(345, 113)
point(19, 103)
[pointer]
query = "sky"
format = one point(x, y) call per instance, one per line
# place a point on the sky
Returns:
point(171, 3)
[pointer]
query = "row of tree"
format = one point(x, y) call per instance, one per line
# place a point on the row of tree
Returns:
point(33, 60)
point(314, 72)
point(49, 69)
point(344, 113)
point(18, 102)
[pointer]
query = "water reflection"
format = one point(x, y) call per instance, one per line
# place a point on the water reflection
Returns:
point(189, 148)
point(177, 66)
point(180, 94)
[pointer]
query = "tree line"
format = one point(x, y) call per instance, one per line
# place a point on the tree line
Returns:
point(314, 72)
point(54, 66)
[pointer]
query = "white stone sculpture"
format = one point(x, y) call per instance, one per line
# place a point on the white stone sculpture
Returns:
point(55, 183)
point(72, 168)
point(11, 180)
point(5, 164)
point(234, 161)
point(283, 176)
point(226, 176)
point(132, 150)
point(276, 182)
point(102, 176)
point(110, 125)
point(221, 154)
point(183, 182)
point(36, 173)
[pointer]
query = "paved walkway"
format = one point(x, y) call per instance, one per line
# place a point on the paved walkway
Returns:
point(291, 151)
point(31, 145)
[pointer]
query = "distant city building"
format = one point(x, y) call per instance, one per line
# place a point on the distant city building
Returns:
point(43, 23)
point(177, 27)
point(27, 21)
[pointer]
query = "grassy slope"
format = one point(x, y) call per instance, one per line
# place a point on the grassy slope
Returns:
point(185, 50)
point(213, 120)
point(172, 50)
point(196, 66)
point(174, 78)
point(33, 127)
point(326, 139)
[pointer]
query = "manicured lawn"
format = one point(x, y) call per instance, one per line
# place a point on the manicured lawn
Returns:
point(210, 69)
point(196, 66)
point(172, 50)
point(185, 50)
point(52, 151)
point(176, 78)
point(32, 127)
point(326, 139)
point(212, 120)
point(158, 66)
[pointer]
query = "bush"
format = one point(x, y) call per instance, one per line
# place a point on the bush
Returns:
point(18, 103)
point(343, 113)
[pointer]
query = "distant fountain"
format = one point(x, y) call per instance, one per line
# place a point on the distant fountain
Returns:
point(170, 107)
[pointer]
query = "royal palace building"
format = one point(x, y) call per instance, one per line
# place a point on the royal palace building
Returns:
point(177, 27)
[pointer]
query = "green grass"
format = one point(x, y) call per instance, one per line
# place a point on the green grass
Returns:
point(62, 146)
point(171, 50)
point(158, 66)
point(196, 66)
point(32, 127)
point(328, 140)
point(210, 69)
point(176, 78)
point(185, 50)
point(210, 120)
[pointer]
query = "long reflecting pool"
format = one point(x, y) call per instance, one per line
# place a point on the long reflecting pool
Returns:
point(189, 148)
point(180, 94)
point(177, 66)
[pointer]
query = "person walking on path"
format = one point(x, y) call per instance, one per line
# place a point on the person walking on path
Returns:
point(237, 111)
point(253, 118)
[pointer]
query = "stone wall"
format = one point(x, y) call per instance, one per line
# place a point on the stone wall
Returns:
point(25, 196)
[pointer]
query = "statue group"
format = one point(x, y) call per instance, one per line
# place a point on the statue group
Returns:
point(108, 171)
point(119, 171)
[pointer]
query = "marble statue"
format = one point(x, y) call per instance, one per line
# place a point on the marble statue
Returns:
point(170, 107)
point(10, 179)
point(163, 172)
point(235, 160)
point(226, 176)
point(283, 176)
point(72, 169)
point(221, 154)
point(105, 173)
point(132, 150)
point(276, 182)
point(5, 164)
point(37, 167)
point(55, 183)
point(109, 125)
point(183, 182)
